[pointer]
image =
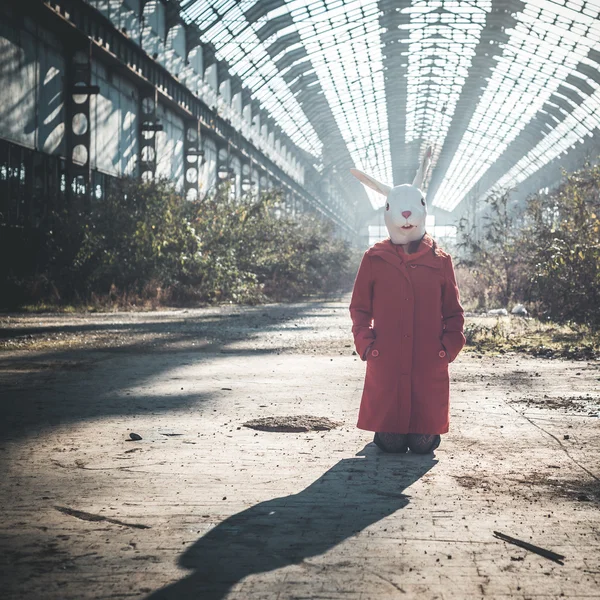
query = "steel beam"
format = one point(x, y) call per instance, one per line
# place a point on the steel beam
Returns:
point(395, 69)
point(558, 107)
point(79, 90)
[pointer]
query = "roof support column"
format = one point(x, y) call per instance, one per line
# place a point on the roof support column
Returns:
point(77, 119)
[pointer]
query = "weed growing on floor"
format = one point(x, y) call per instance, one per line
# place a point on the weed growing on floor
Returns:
point(531, 336)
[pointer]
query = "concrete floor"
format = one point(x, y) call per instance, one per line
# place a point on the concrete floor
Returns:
point(204, 508)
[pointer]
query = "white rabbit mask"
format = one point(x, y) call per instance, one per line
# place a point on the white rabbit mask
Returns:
point(405, 210)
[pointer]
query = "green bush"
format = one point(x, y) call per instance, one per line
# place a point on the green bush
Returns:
point(563, 236)
point(545, 253)
point(247, 253)
point(145, 243)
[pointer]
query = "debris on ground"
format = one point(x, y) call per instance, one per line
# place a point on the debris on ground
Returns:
point(292, 424)
point(558, 558)
point(86, 516)
point(503, 465)
point(574, 404)
point(519, 310)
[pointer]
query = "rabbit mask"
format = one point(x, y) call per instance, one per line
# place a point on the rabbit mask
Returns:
point(405, 209)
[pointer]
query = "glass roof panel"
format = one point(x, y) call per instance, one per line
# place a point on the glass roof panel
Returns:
point(441, 46)
point(581, 122)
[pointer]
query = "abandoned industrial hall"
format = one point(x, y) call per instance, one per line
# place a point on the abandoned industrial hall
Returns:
point(299, 299)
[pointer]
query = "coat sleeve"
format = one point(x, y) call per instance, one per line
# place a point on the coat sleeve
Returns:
point(453, 316)
point(361, 308)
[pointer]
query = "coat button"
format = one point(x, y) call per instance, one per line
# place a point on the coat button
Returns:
point(442, 353)
point(374, 353)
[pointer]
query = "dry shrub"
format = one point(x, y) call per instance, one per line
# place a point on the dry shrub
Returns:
point(473, 292)
point(144, 246)
point(545, 253)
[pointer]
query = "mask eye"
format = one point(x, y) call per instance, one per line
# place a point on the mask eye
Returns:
point(423, 201)
point(387, 206)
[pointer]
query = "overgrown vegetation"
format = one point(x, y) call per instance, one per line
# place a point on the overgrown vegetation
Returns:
point(530, 336)
point(493, 255)
point(545, 253)
point(145, 245)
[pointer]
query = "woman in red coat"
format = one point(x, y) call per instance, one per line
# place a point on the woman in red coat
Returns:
point(407, 324)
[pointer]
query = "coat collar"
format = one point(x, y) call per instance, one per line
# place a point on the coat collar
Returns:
point(396, 256)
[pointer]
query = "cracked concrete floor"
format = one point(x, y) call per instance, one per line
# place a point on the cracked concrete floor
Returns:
point(204, 508)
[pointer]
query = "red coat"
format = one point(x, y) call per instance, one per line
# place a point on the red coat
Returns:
point(406, 306)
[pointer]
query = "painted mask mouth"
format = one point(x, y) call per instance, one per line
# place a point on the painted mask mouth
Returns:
point(408, 226)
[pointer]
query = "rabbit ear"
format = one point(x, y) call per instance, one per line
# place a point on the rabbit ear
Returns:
point(423, 168)
point(371, 182)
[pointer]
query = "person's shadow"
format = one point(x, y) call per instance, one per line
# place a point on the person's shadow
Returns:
point(350, 496)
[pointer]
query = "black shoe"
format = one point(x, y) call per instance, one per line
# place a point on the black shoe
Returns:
point(379, 443)
point(417, 446)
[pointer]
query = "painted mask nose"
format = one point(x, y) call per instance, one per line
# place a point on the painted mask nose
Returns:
point(406, 214)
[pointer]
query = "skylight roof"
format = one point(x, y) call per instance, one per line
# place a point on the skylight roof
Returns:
point(543, 50)
point(224, 24)
point(442, 41)
point(538, 97)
